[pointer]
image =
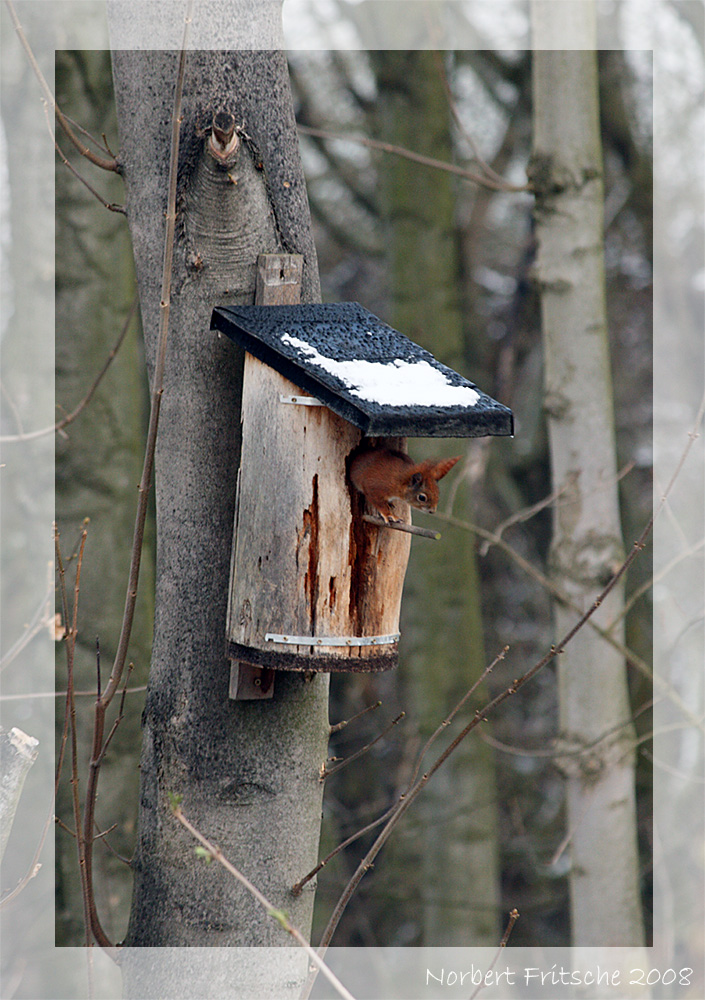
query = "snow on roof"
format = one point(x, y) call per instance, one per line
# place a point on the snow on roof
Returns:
point(399, 383)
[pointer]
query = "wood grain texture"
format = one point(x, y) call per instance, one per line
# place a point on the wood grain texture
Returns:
point(304, 562)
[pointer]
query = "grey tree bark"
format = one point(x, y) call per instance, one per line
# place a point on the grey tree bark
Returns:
point(587, 545)
point(247, 771)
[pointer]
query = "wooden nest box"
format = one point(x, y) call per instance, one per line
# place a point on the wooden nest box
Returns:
point(313, 586)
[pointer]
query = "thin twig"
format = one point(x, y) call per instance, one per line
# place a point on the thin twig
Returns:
point(139, 689)
point(64, 826)
point(103, 147)
point(451, 715)
point(99, 161)
point(675, 772)
point(346, 722)
point(13, 405)
point(645, 587)
point(426, 161)
point(70, 641)
point(513, 917)
point(118, 720)
point(64, 604)
point(34, 865)
point(272, 911)
point(70, 417)
point(298, 886)
point(326, 772)
point(104, 833)
point(522, 515)
point(111, 206)
point(123, 860)
point(411, 529)
point(481, 162)
point(585, 748)
point(39, 620)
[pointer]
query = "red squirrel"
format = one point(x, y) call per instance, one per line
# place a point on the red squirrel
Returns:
point(384, 475)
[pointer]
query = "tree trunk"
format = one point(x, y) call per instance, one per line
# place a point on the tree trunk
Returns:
point(442, 642)
point(587, 543)
point(247, 770)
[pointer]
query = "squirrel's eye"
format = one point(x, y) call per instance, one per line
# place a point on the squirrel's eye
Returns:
point(422, 497)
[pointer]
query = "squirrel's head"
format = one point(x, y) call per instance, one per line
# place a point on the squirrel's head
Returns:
point(422, 491)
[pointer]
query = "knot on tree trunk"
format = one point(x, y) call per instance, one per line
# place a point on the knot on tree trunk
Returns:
point(551, 175)
point(589, 561)
point(587, 760)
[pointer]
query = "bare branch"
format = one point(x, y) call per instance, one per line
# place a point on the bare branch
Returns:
point(111, 206)
point(553, 499)
point(138, 689)
point(34, 865)
point(40, 618)
point(346, 722)
point(99, 161)
point(645, 587)
point(69, 418)
point(64, 826)
point(449, 718)
point(70, 716)
point(411, 529)
point(491, 174)
point(513, 917)
point(326, 772)
point(118, 720)
point(426, 161)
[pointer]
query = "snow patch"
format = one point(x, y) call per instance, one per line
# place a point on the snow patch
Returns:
point(399, 383)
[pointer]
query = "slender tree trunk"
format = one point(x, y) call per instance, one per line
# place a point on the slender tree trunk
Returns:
point(247, 771)
point(442, 625)
point(587, 546)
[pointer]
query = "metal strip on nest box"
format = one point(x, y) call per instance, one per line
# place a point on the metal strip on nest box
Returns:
point(300, 400)
point(363, 370)
point(353, 640)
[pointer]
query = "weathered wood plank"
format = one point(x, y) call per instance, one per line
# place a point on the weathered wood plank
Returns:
point(278, 282)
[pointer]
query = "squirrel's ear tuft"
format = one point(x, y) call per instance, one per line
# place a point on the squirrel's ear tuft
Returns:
point(440, 469)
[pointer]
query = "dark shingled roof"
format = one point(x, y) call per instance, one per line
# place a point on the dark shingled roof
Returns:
point(346, 332)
